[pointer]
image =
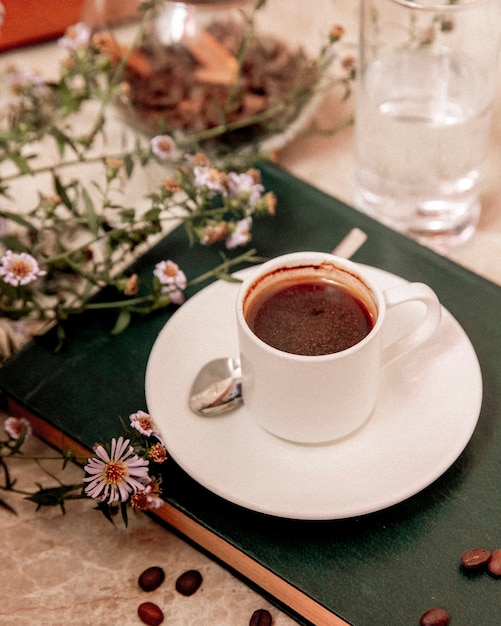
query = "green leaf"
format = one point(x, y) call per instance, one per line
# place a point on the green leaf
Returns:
point(129, 165)
point(227, 277)
point(62, 140)
point(52, 496)
point(61, 336)
point(152, 215)
point(61, 192)
point(123, 320)
point(21, 162)
point(7, 507)
point(19, 219)
point(123, 508)
point(92, 219)
point(107, 510)
point(128, 215)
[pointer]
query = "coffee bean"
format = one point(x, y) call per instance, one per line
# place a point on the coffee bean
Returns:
point(475, 558)
point(435, 617)
point(150, 614)
point(151, 578)
point(261, 617)
point(189, 582)
point(494, 564)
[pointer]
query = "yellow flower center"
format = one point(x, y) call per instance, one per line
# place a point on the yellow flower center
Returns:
point(158, 453)
point(139, 501)
point(170, 270)
point(146, 423)
point(115, 472)
point(21, 268)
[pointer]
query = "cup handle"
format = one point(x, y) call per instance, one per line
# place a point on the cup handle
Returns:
point(412, 292)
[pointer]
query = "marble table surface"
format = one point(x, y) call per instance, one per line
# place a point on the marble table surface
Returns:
point(79, 569)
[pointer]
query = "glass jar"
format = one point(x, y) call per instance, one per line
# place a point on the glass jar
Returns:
point(230, 70)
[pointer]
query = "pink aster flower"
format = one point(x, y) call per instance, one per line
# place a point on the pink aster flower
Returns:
point(19, 268)
point(244, 186)
point(173, 280)
point(19, 83)
point(147, 498)
point(17, 79)
point(142, 422)
point(176, 295)
point(14, 426)
point(76, 37)
point(114, 477)
point(241, 235)
point(211, 178)
point(168, 273)
point(164, 147)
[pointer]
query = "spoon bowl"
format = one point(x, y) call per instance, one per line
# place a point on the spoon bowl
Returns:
point(217, 387)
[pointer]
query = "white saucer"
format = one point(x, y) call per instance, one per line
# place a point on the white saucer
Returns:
point(427, 411)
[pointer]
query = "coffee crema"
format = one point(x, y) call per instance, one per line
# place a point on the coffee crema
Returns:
point(309, 317)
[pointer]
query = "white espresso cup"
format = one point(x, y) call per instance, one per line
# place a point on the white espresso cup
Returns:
point(317, 398)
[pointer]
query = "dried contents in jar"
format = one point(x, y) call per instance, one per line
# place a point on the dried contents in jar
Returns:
point(185, 89)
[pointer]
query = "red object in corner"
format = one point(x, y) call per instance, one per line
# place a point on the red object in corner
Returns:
point(32, 21)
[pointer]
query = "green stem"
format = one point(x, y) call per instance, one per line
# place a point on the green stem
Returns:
point(117, 75)
point(18, 491)
point(119, 304)
point(8, 482)
point(249, 257)
point(25, 457)
point(222, 268)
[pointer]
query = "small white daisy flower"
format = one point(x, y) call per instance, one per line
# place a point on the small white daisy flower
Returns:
point(142, 422)
point(168, 273)
point(164, 147)
point(19, 268)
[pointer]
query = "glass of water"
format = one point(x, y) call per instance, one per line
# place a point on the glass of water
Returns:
point(427, 77)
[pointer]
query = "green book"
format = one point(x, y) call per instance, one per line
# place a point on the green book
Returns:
point(385, 567)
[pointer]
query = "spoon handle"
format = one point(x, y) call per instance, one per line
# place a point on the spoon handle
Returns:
point(347, 247)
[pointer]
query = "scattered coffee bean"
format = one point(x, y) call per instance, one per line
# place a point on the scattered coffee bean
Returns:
point(189, 582)
point(150, 614)
point(261, 617)
point(435, 617)
point(494, 564)
point(475, 558)
point(151, 578)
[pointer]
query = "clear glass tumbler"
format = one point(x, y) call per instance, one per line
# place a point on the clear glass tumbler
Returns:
point(427, 78)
